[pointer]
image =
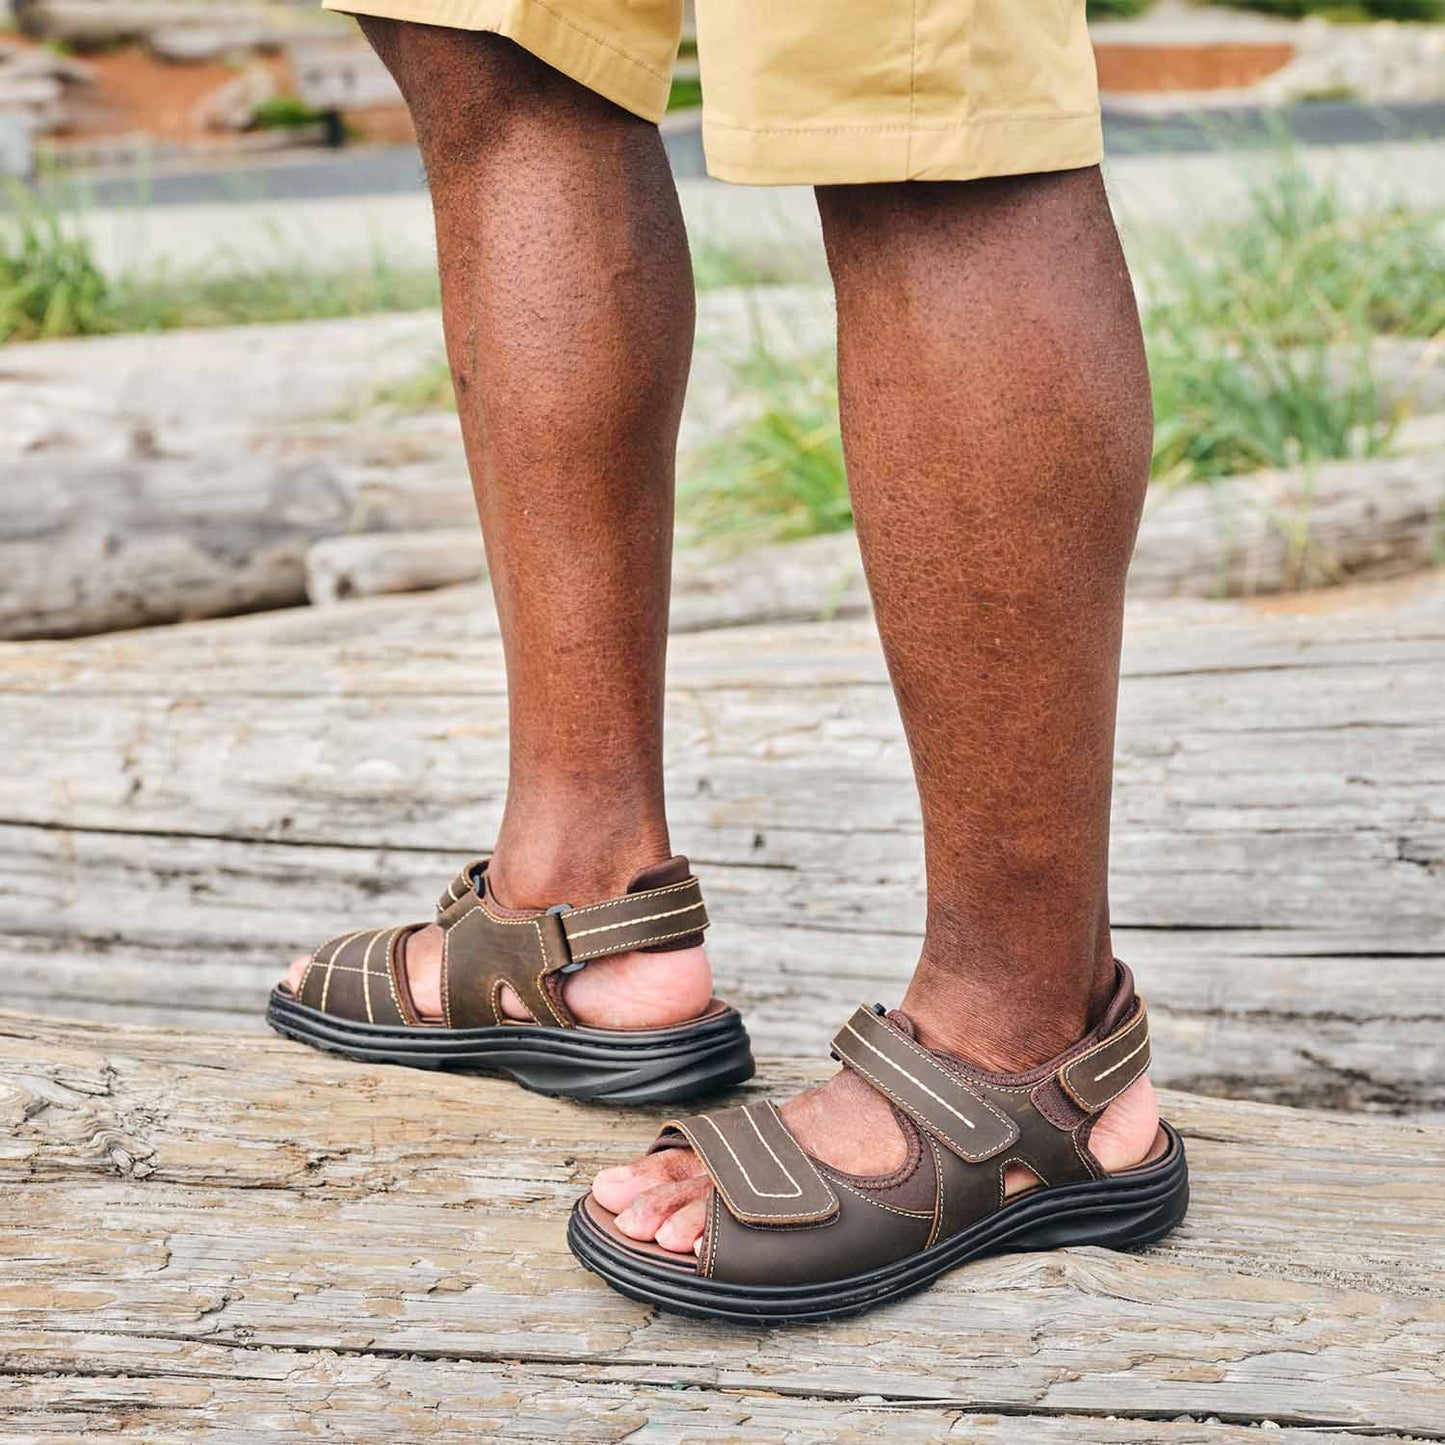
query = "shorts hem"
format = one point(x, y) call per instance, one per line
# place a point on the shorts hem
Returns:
point(861, 154)
point(592, 60)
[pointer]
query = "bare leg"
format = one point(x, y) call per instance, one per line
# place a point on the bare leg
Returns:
point(996, 422)
point(568, 306)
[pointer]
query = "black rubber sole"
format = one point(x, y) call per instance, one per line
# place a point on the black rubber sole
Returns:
point(1125, 1211)
point(652, 1066)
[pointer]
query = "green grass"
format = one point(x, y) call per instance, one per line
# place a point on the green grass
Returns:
point(1298, 266)
point(51, 285)
point(430, 389)
point(49, 282)
point(1347, 10)
point(779, 475)
point(1259, 345)
point(686, 93)
point(284, 112)
point(1224, 408)
point(274, 292)
point(1116, 9)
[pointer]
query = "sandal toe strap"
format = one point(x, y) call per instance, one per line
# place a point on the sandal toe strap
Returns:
point(354, 976)
point(761, 1172)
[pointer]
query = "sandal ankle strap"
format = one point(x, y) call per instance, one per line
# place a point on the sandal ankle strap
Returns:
point(958, 1115)
point(646, 919)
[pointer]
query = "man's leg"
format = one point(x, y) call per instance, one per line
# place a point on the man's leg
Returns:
point(567, 299)
point(996, 422)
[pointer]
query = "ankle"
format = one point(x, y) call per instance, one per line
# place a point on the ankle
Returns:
point(1008, 1022)
point(542, 862)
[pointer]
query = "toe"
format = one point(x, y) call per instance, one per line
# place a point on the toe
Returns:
point(682, 1229)
point(297, 972)
point(654, 1208)
point(615, 1189)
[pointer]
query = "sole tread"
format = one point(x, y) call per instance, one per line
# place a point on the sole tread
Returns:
point(645, 1067)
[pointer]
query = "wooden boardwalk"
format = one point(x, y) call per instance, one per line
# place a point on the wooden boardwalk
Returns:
point(184, 808)
point(235, 1239)
point(221, 1236)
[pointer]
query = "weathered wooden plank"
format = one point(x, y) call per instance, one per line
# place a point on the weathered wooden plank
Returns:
point(173, 1391)
point(1286, 530)
point(94, 395)
point(255, 1195)
point(205, 524)
point(184, 811)
point(195, 931)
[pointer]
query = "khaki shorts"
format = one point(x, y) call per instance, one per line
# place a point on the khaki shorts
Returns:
point(827, 92)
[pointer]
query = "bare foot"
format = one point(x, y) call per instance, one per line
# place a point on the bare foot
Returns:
point(626, 990)
point(848, 1124)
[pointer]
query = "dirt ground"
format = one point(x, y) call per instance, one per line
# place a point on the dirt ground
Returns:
point(1134, 69)
point(137, 93)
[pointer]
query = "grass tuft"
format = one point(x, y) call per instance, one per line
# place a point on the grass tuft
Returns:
point(778, 475)
point(52, 286)
point(429, 389)
point(1300, 266)
point(49, 283)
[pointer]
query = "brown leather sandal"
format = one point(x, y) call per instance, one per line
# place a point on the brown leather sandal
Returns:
point(354, 1000)
point(788, 1238)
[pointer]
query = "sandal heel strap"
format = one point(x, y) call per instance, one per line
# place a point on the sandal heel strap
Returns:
point(937, 1101)
point(1098, 1076)
point(646, 919)
point(761, 1172)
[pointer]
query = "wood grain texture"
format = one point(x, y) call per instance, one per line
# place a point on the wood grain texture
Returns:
point(183, 810)
point(232, 1396)
point(1287, 530)
point(207, 1232)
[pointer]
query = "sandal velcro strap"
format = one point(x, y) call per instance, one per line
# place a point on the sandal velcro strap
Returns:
point(461, 892)
point(1100, 1074)
point(935, 1099)
point(636, 920)
point(761, 1172)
